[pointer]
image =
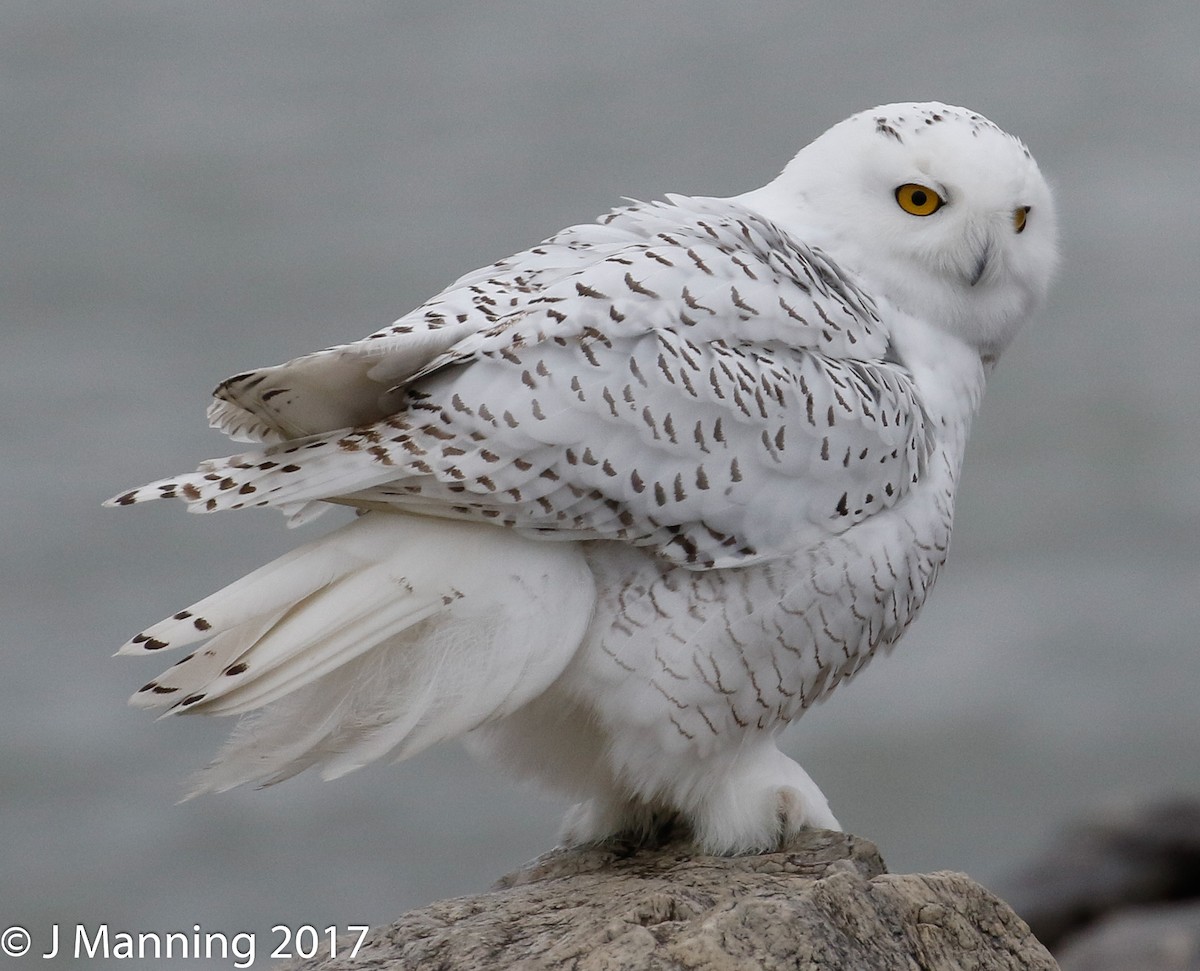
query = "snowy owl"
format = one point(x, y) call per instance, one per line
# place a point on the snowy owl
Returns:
point(631, 500)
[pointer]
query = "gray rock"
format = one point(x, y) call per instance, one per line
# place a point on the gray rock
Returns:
point(1162, 938)
point(823, 902)
point(1126, 856)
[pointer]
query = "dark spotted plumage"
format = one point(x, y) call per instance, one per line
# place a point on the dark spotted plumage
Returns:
point(771, 333)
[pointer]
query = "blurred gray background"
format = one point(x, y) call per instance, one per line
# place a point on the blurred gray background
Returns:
point(194, 189)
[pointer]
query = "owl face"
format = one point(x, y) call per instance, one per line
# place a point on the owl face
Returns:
point(935, 209)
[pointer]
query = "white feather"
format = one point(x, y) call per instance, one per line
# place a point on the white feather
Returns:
point(330, 639)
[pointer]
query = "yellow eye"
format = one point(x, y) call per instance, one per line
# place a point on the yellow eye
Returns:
point(920, 200)
point(1020, 215)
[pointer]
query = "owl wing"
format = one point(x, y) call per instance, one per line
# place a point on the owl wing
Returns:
point(347, 385)
point(698, 383)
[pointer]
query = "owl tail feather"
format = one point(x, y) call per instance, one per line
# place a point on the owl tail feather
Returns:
point(374, 641)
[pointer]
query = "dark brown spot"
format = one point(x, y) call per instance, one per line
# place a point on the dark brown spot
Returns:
point(638, 288)
point(740, 303)
point(586, 291)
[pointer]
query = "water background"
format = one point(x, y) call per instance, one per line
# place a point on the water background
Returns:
point(193, 189)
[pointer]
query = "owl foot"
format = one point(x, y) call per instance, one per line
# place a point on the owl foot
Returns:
point(761, 804)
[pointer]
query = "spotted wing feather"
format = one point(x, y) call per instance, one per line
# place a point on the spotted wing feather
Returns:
point(710, 389)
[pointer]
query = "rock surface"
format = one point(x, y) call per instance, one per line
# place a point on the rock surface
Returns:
point(1161, 938)
point(1119, 889)
point(822, 902)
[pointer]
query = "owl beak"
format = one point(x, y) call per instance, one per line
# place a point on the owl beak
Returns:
point(982, 262)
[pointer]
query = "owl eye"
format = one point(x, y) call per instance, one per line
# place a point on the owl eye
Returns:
point(920, 200)
point(1020, 215)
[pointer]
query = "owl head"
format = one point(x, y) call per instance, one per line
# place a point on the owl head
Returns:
point(935, 210)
